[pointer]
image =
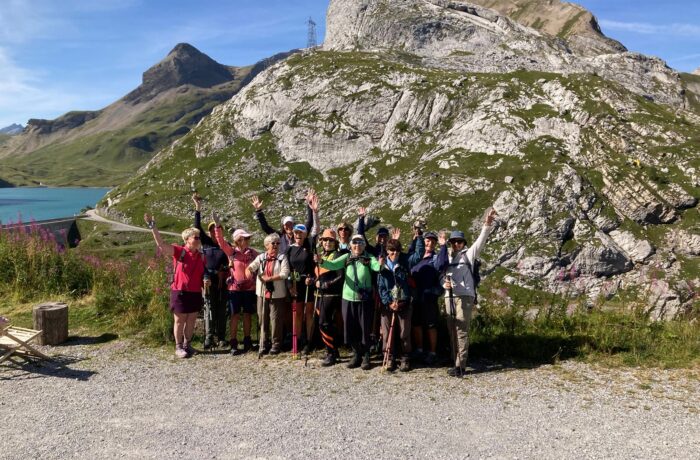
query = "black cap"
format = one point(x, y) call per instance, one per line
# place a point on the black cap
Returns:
point(382, 231)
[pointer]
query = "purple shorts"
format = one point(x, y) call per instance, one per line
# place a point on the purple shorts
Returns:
point(185, 301)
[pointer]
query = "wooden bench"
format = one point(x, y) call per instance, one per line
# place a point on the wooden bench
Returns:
point(17, 340)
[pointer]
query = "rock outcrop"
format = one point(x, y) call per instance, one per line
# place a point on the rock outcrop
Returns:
point(467, 37)
point(567, 21)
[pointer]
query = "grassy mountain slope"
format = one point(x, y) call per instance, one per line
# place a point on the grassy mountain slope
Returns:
point(108, 157)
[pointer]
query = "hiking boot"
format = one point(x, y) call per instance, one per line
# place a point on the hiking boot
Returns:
point(391, 366)
point(355, 361)
point(223, 344)
point(234, 346)
point(430, 359)
point(307, 350)
point(247, 344)
point(405, 364)
point(329, 360)
point(366, 365)
point(274, 351)
point(208, 343)
point(180, 352)
point(455, 372)
point(188, 349)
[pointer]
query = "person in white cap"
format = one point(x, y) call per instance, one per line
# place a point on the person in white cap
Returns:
point(241, 289)
point(286, 233)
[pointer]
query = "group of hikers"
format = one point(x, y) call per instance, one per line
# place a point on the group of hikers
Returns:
point(332, 282)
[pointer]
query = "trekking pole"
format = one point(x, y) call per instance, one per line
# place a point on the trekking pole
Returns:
point(453, 314)
point(317, 294)
point(295, 349)
point(389, 340)
point(207, 312)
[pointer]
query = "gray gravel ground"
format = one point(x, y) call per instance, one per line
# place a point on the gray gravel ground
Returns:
point(116, 401)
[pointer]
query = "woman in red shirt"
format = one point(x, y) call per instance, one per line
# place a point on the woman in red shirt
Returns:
point(186, 289)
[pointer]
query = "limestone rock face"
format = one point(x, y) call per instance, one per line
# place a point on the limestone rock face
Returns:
point(468, 37)
point(696, 71)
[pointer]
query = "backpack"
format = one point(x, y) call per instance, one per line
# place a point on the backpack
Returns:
point(476, 275)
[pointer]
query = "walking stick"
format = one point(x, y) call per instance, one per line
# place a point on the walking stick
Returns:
point(207, 312)
point(295, 349)
point(453, 314)
point(389, 340)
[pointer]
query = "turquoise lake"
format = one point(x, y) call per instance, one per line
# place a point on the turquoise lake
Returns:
point(40, 203)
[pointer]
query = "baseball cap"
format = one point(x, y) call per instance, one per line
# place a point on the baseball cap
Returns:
point(240, 233)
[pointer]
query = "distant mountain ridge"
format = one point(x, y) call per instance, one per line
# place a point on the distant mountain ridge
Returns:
point(12, 129)
point(106, 146)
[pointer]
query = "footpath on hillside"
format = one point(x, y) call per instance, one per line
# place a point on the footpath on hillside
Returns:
point(120, 226)
point(117, 400)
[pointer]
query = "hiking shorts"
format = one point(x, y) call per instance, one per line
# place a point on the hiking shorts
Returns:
point(185, 301)
point(242, 301)
point(425, 311)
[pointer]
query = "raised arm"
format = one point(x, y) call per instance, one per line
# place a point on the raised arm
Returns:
point(260, 215)
point(475, 249)
point(361, 213)
point(203, 236)
point(442, 257)
point(419, 251)
point(219, 235)
point(165, 249)
point(312, 215)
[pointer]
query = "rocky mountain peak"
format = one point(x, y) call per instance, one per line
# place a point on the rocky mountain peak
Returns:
point(568, 21)
point(467, 37)
point(696, 71)
point(184, 65)
point(12, 129)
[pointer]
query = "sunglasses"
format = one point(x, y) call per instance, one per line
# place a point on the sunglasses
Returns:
point(343, 229)
point(195, 237)
point(274, 244)
point(357, 242)
point(458, 242)
point(326, 240)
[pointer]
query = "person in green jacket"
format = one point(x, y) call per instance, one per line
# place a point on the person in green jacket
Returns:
point(357, 303)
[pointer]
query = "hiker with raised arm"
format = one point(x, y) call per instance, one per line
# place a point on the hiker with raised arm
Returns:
point(189, 279)
point(286, 233)
point(241, 288)
point(427, 292)
point(357, 304)
point(459, 286)
point(270, 270)
point(395, 295)
point(329, 287)
point(216, 262)
point(302, 285)
point(379, 247)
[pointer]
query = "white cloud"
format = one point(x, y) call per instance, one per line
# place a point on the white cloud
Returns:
point(675, 29)
point(21, 21)
point(24, 96)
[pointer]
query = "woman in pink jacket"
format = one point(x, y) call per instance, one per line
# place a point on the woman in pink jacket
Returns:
point(241, 289)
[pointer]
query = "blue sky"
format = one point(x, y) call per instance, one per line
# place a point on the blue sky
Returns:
point(57, 56)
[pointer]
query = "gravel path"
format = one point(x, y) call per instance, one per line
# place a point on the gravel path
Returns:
point(115, 401)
